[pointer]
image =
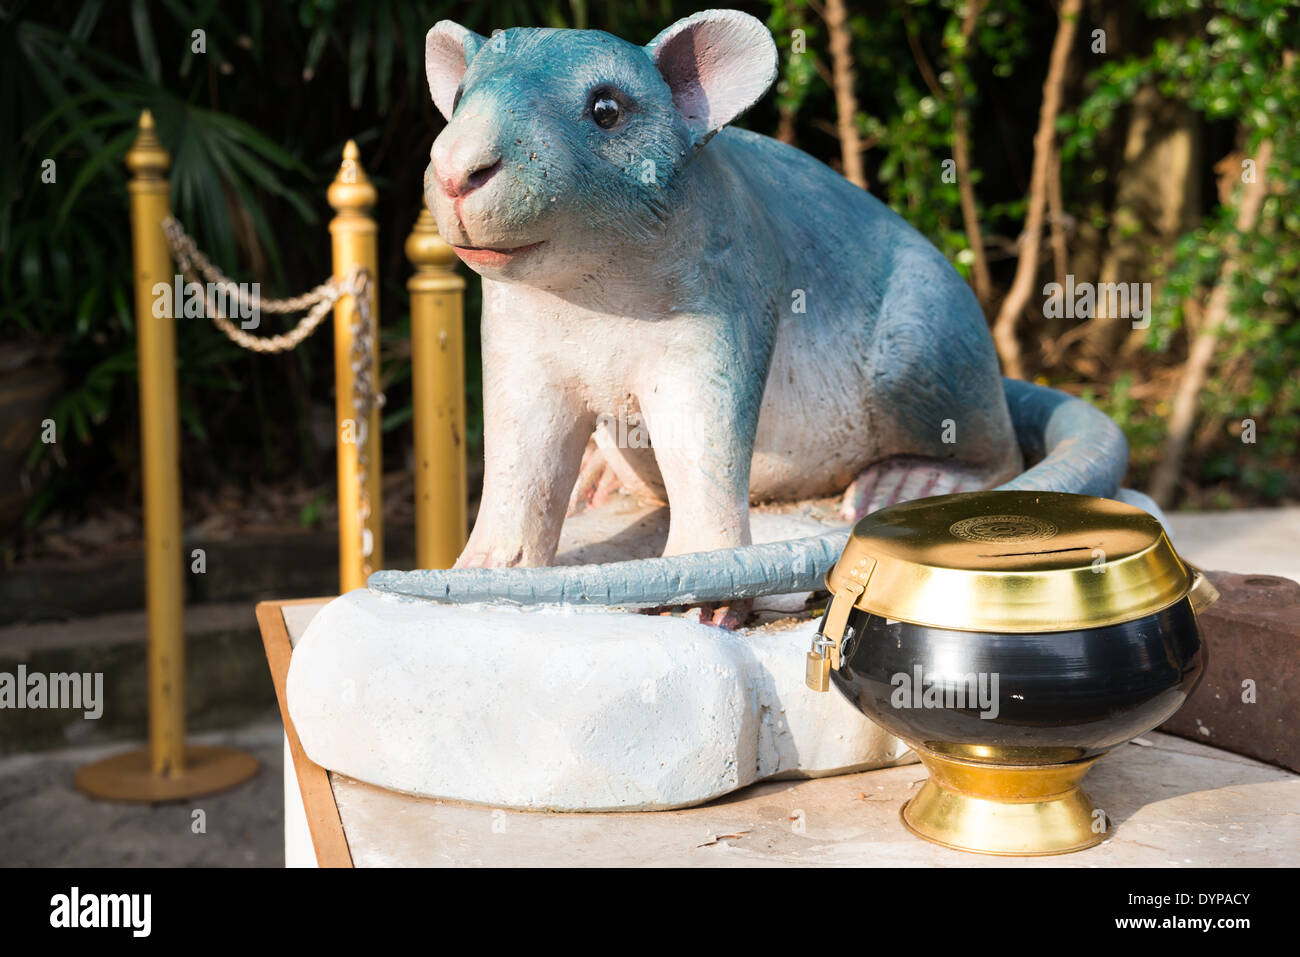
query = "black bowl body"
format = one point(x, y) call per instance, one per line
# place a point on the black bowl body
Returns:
point(1040, 698)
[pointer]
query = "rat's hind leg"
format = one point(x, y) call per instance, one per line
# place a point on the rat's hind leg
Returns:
point(902, 479)
point(617, 459)
point(597, 481)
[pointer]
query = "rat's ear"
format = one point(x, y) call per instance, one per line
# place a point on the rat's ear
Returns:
point(718, 64)
point(448, 48)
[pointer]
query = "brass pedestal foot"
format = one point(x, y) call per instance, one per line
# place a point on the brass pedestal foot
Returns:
point(1017, 811)
point(130, 776)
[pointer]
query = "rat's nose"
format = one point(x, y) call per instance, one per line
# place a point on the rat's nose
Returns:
point(463, 165)
point(458, 182)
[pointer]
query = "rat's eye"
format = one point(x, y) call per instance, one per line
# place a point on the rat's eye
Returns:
point(606, 112)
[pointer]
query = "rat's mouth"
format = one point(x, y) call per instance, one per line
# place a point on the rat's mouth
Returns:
point(493, 255)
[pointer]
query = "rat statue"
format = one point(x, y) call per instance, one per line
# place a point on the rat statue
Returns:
point(778, 332)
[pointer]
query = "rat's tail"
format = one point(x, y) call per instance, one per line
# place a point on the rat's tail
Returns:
point(1077, 448)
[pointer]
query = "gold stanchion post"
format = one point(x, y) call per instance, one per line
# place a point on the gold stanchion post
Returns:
point(438, 395)
point(355, 243)
point(167, 769)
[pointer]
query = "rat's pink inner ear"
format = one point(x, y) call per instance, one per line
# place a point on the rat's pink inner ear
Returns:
point(448, 48)
point(718, 64)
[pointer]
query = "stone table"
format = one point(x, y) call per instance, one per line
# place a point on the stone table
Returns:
point(1173, 803)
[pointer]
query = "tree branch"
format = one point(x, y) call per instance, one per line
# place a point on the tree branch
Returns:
point(1199, 358)
point(922, 61)
point(962, 160)
point(1056, 219)
point(846, 102)
point(1004, 328)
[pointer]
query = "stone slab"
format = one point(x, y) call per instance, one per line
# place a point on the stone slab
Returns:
point(528, 708)
point(531, 707)
point(1246, 701)
point(564, 709)
point(1175, 803)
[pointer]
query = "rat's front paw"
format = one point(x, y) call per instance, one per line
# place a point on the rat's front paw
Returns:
point(728, 617)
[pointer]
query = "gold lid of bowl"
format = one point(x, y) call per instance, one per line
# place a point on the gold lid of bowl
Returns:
point(1013, 562)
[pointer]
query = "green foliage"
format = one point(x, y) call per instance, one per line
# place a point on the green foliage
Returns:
point(309, 516)
point(248, 179)
point(1143, 425)
point(1235, 72)
point(798, 70)
point(913, 63)
point(257, 120)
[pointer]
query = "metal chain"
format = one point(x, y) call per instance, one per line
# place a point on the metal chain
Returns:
point(320, 300)
point(366, 396)
point(186, 253)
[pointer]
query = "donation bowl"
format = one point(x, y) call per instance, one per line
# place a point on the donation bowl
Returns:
point(1011, 639)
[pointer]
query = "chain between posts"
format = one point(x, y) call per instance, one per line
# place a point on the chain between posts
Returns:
point(357, 284)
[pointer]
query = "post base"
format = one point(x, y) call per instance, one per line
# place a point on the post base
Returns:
point(130, 776)
point(1015, 811)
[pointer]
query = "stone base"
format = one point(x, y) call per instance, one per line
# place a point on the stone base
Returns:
point(1168, 803)
point(561, 710)
point(576, 710)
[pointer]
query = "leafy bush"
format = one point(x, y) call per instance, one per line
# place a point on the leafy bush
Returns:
point(257, 120)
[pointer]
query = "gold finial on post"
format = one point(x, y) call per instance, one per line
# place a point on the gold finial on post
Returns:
point(167, 770)
point(355, 241)
point(147, 158)
point(438, 395)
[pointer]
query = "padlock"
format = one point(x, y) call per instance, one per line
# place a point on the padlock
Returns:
point(825, 653)
point(817, 673)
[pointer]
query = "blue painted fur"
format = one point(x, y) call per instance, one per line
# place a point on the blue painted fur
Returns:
point(808, 329)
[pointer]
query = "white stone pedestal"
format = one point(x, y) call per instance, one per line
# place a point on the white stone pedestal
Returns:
point(1174, 803)
point(564, 710)
point(576, 710)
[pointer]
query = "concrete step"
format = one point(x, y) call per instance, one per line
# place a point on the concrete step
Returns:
point(227, 682)
point(263, 565)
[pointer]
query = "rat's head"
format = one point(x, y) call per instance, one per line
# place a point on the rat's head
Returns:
point(562, 146)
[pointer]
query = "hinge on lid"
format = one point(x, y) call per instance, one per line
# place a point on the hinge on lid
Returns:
point(825, 653)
